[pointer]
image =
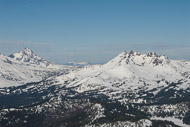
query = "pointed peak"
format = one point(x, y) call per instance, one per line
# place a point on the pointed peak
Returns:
point(1, 54)
point(27, 55)
point(150, 54)
point(27, 48)
point(27, 51)
point(133, 52)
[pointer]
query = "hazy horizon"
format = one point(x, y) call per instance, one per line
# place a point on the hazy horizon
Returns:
point(95, 31)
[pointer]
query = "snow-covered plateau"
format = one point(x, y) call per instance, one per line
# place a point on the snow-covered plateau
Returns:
point(130, 90)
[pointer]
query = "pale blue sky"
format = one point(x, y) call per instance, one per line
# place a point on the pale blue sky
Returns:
point(95, 30)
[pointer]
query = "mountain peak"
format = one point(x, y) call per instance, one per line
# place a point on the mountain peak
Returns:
point(27, 55)
point(27, 50)
point(23, 55)
point(1, 54)
point(136, 58)
point(150, 54)
point(133, 52)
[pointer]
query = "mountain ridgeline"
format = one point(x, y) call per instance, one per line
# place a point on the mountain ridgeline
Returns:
point(132, 90)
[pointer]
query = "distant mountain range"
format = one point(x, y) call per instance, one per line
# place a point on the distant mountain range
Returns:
point(76, 63)
point(132, 90)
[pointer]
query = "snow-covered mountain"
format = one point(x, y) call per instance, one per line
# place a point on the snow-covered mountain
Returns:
point(130, 71)
point(25, 66)
point(132, 89)
point(76, 63)
point(28, 56)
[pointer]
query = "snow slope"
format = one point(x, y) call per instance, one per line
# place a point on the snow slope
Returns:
point(25, 66)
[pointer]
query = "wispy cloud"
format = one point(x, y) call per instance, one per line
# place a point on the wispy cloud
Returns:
point(22, 42)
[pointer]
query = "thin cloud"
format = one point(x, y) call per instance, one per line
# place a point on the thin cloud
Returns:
point(22, 42)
